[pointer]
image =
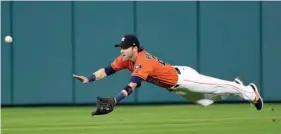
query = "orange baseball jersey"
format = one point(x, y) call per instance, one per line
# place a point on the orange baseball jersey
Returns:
point(149, 68)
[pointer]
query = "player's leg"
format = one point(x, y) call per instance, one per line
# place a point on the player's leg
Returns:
point(191, 80)
point(203, 99)
point(199, 98)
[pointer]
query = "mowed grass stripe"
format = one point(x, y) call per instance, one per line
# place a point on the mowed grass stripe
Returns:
point(226, 125)
point(119, 126)
point(138, 122)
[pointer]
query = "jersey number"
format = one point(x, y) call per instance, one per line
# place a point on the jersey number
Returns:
point(149, 56)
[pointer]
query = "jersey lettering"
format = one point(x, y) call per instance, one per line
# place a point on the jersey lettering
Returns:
point(149, 56)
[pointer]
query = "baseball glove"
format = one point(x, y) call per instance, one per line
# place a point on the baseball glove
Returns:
point(104, 106)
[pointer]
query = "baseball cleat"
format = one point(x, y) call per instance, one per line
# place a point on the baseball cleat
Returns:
point(238, 81)
point(258, 102)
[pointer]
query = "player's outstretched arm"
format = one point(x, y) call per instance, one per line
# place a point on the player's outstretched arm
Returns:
point(98, 75)
point(135, 82)
point(126, 92)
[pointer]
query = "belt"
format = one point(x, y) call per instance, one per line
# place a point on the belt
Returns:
point(178, 71)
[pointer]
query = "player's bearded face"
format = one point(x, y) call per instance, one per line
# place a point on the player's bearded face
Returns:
point(127, 54)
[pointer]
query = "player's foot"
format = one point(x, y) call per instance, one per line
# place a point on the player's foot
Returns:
point(238, 81)
point(258, 102)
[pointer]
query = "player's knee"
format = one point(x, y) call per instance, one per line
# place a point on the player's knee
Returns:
point(205, 102)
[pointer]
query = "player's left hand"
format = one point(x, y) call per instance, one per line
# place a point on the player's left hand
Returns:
point(104, 106)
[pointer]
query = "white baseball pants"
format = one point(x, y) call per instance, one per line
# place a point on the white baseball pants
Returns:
point(206, 90)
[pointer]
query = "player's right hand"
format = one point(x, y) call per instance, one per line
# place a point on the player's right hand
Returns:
point(81, 78)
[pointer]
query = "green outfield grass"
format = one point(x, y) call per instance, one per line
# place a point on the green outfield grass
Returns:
point(177, 119)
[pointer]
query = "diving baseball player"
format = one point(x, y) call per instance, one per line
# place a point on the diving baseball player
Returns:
point(182, 80)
